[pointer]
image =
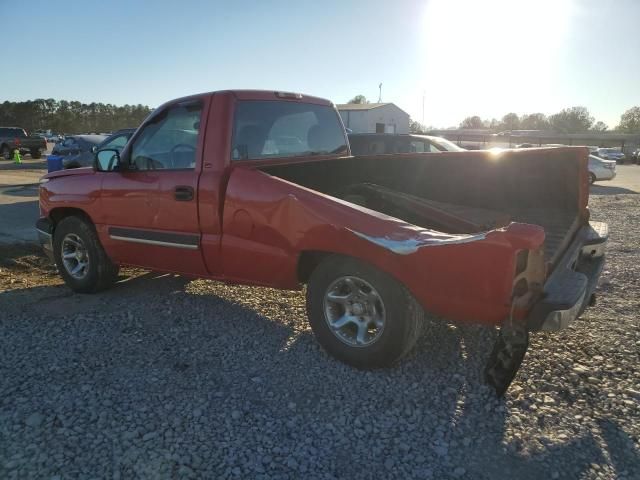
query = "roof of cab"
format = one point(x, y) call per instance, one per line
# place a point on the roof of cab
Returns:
point(257, 95)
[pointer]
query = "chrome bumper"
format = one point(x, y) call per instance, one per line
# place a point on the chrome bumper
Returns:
point(569, 288)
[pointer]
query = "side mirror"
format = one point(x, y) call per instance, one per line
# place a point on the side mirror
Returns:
point(107, 160)
point(94, 149)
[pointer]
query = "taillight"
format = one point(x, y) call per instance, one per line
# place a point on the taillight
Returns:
point(17, 142)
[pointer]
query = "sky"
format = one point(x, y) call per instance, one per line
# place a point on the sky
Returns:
point(454, 57)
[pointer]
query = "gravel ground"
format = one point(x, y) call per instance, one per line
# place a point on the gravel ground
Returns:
point(163, 377)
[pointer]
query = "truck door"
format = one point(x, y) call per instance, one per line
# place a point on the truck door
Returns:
point(150, 210)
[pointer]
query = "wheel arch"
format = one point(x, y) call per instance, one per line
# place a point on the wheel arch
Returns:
point(56, 215)
point(308, 260)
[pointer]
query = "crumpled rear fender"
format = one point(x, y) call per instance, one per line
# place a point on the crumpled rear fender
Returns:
point(461, 277)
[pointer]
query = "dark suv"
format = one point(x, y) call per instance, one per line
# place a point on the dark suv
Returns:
point(12, 138)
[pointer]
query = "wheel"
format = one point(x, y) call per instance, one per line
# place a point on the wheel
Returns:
point(80, 258)
point(6, 152)
point(35, 153)
point(361, 315)
point(592, 178)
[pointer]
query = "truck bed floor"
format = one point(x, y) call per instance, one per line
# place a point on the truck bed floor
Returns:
point(559, 226)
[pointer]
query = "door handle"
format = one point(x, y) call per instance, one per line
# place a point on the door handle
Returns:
point(183, 193)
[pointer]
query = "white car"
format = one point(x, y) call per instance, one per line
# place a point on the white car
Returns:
point(600, 169)
point(610, 154)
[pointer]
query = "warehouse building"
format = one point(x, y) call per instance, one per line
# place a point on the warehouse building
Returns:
point(374, 118)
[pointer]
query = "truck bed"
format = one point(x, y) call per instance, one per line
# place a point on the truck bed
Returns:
point(459, 192)
point(559, 225)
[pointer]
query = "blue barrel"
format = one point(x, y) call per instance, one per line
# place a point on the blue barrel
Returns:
point(54, 163)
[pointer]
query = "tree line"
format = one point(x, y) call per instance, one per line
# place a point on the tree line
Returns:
point(568, 120)
point(62, 116)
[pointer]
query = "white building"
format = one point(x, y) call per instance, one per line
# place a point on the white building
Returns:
point(374, 118)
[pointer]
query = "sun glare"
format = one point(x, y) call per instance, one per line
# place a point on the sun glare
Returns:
point(486, 56)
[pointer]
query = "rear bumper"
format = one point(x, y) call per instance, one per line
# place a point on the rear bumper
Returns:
point(569, 288)
point(44, 228)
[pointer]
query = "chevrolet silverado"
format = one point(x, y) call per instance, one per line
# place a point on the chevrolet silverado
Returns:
point(259, 187)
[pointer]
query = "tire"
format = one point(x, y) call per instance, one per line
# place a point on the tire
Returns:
point(592, 179)
point(403, 317)
point(100, 272)
point(6, 152)
point(35, 153)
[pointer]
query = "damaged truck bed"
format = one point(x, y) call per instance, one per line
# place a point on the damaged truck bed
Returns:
point(260, 188)
point(501, 239)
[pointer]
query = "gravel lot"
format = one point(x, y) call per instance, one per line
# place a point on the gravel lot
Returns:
point(163, 377)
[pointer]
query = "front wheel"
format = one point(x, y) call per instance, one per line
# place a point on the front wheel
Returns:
point(592, 179)
point(35, 153)
point(361, 315)
point(6, 153)
point(80, 258)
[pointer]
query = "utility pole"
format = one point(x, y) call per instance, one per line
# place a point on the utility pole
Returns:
point(380, 95)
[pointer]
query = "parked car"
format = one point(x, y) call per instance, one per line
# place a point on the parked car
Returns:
point(12, 138)
point(53, 138)
point(600, 169)
point(203, 189)
point(610, 154)
point(377, 143)
point(77, 150)
point(636, 156)
point(116, 140)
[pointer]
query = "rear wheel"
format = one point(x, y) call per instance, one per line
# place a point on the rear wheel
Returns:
point(592, 178)
point(80, 258)
point(35, 153)
point(6, 152)
point(361, 315)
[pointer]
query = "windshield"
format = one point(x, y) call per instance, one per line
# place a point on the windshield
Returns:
point(447, 145)
point(266, 129)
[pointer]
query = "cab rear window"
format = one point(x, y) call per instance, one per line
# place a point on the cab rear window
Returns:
point(271, 129)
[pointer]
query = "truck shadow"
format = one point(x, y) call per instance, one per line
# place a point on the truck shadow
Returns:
point(599, 189)
point(17, 220)
point(223, 354)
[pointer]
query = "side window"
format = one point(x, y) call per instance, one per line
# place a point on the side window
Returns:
point(170, 140)
point(68, 142)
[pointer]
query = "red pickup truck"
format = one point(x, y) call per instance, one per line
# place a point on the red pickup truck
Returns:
point(260, 188)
